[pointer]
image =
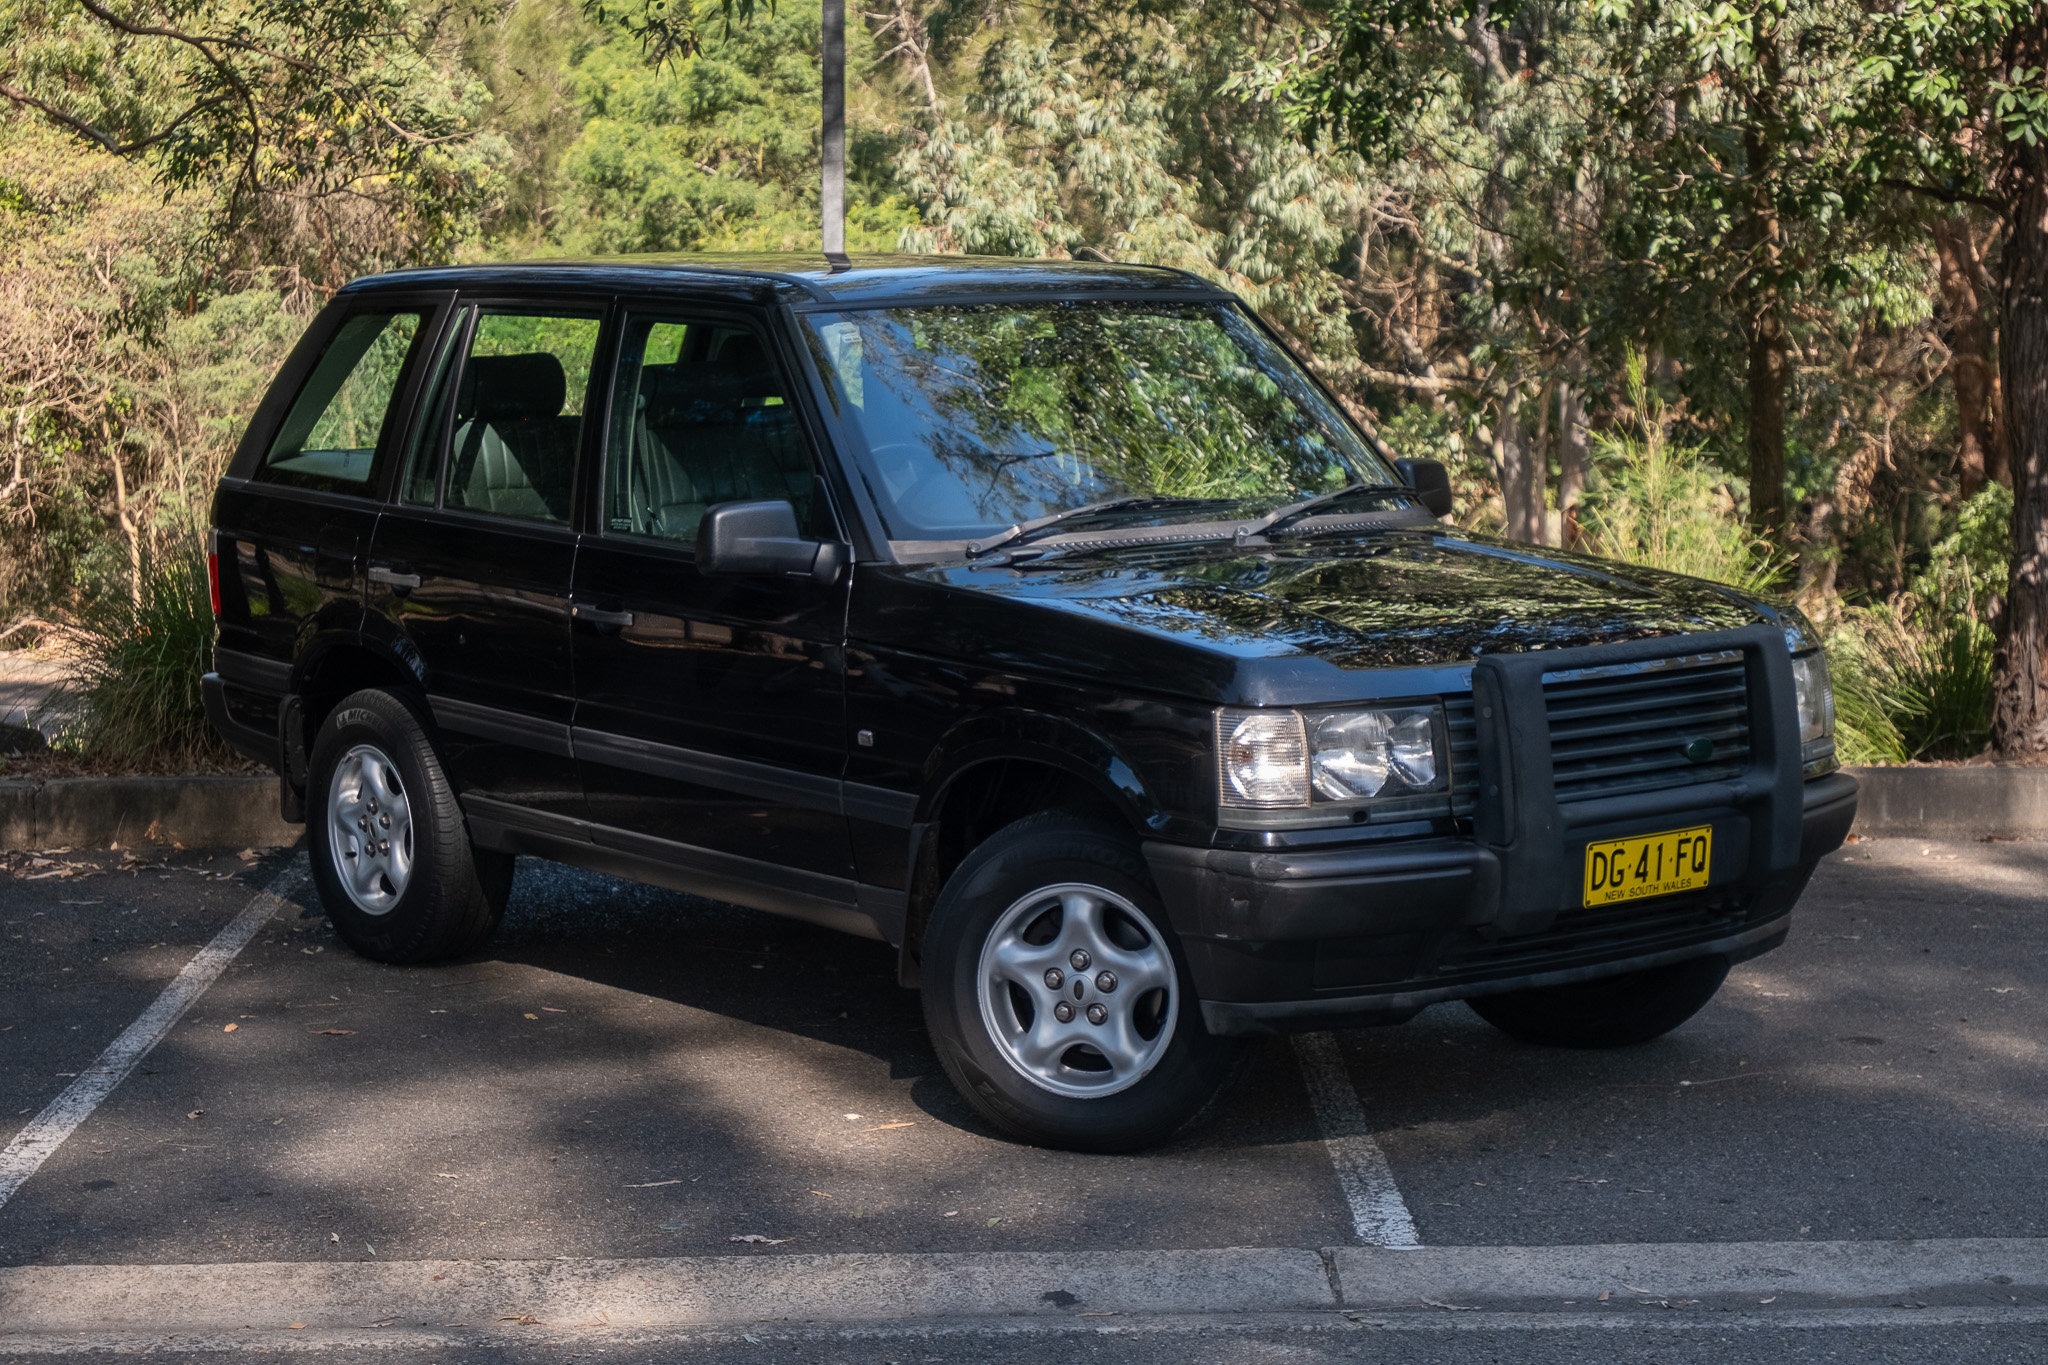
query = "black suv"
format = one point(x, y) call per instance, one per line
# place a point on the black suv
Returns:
point(1047, 621)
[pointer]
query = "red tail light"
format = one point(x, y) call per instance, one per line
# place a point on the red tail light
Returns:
point(213, 571)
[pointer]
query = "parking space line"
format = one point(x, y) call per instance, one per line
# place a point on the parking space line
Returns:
point(1379, 1215)
point(61, 1117)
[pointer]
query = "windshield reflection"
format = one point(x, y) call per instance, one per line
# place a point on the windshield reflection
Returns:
point(976, 418)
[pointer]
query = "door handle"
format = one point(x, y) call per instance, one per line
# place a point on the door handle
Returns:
point(600, 618)
point(392, 578)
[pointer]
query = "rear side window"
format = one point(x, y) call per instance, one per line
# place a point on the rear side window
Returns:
point(518, 418)
point(343, 416)
point(700, 416)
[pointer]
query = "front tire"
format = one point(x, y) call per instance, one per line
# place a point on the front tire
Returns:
point(1613, 1011)
point(1057, 998)
point(391, 853)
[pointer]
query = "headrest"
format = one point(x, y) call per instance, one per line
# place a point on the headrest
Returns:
point(757, 378)
point(510, 388)
point(703, 394)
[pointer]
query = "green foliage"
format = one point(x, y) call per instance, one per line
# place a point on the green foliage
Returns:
point(1942, 98)
point(717, 150)
point(332, 135)
point(1663, 506)
point(1913, 677)
point(135, 693)
point(1973, 559)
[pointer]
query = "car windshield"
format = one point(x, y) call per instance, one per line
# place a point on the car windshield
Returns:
point(975, 418)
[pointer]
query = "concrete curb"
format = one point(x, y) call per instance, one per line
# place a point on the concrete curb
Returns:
point(709, 1291)
point(1798, 1274)
point(98, 812)
point(659, 1293)
point(241, 812)
point(1952, 803)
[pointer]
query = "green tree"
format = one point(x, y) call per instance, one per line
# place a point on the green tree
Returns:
point(1954, 107)
point(329, 136)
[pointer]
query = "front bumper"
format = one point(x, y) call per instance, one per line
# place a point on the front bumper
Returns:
point(1288, 941)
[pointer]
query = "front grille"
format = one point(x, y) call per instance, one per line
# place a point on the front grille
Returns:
point(1627, 728)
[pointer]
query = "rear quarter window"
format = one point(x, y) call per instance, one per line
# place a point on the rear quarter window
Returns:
point(342, 419)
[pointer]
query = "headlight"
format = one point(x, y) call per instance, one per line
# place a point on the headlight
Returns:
point(1816, 697)
point(1271, 760)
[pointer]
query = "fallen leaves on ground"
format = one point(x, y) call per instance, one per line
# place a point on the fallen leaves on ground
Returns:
point(230, 1028)
point(523, 1320)
point(333, 1032)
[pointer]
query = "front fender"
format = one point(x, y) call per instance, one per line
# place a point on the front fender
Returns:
point(1037, 737)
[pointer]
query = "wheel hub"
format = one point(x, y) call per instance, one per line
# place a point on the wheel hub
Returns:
point(369, 828)
point(1073, 1034)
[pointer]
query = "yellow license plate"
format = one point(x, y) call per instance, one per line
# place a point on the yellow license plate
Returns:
point(1652, 865)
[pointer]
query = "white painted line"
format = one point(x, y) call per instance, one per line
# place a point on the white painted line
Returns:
point(1379, 1215)
point(46, 1132)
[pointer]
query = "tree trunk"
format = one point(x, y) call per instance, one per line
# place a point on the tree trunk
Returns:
point(1571, 460)
point(1764, 320)
point(1970, 355)
point(1517, 467)
point(1769, 369)
point(129, 530)
point(2019, 713)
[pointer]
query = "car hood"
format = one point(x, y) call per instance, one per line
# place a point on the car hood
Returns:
point(1428, 598)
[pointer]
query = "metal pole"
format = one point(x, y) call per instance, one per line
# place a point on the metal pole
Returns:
point(833, 194)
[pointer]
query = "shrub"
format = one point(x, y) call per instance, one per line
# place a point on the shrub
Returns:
point(135, 692)
point(1665, 507)
point(1913, 677)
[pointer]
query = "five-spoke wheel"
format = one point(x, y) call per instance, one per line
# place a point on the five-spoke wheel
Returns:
point(1078, 990)
point(369, 829)
point(392, 855)
point(1057, 997)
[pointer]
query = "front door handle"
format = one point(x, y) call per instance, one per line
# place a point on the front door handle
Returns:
point(600, 618)
point(391, 578)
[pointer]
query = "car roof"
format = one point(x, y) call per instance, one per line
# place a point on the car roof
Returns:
point(864, 281)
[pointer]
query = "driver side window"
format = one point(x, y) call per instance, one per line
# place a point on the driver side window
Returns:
point(700, 416)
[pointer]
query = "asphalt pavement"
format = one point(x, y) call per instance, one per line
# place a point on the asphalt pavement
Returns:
point(629, 1076)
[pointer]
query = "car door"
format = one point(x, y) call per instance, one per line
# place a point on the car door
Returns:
point(472, 568)
point(709, 714)
point(291, 536)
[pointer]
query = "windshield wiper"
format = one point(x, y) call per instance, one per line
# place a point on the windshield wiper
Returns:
point(1027, 530)
point(1293, 511)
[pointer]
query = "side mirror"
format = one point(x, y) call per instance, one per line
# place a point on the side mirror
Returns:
point(738, 538)
point(1431, 482)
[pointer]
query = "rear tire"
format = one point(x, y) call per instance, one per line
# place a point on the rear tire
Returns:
point(1613, 1011)
point(1047, 905)
point(391, 853)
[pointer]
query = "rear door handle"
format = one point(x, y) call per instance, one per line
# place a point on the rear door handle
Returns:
point(392, 578)
point(600, 618)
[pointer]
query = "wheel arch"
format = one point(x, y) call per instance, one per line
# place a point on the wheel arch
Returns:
point(991, 773)
point(326, 672)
